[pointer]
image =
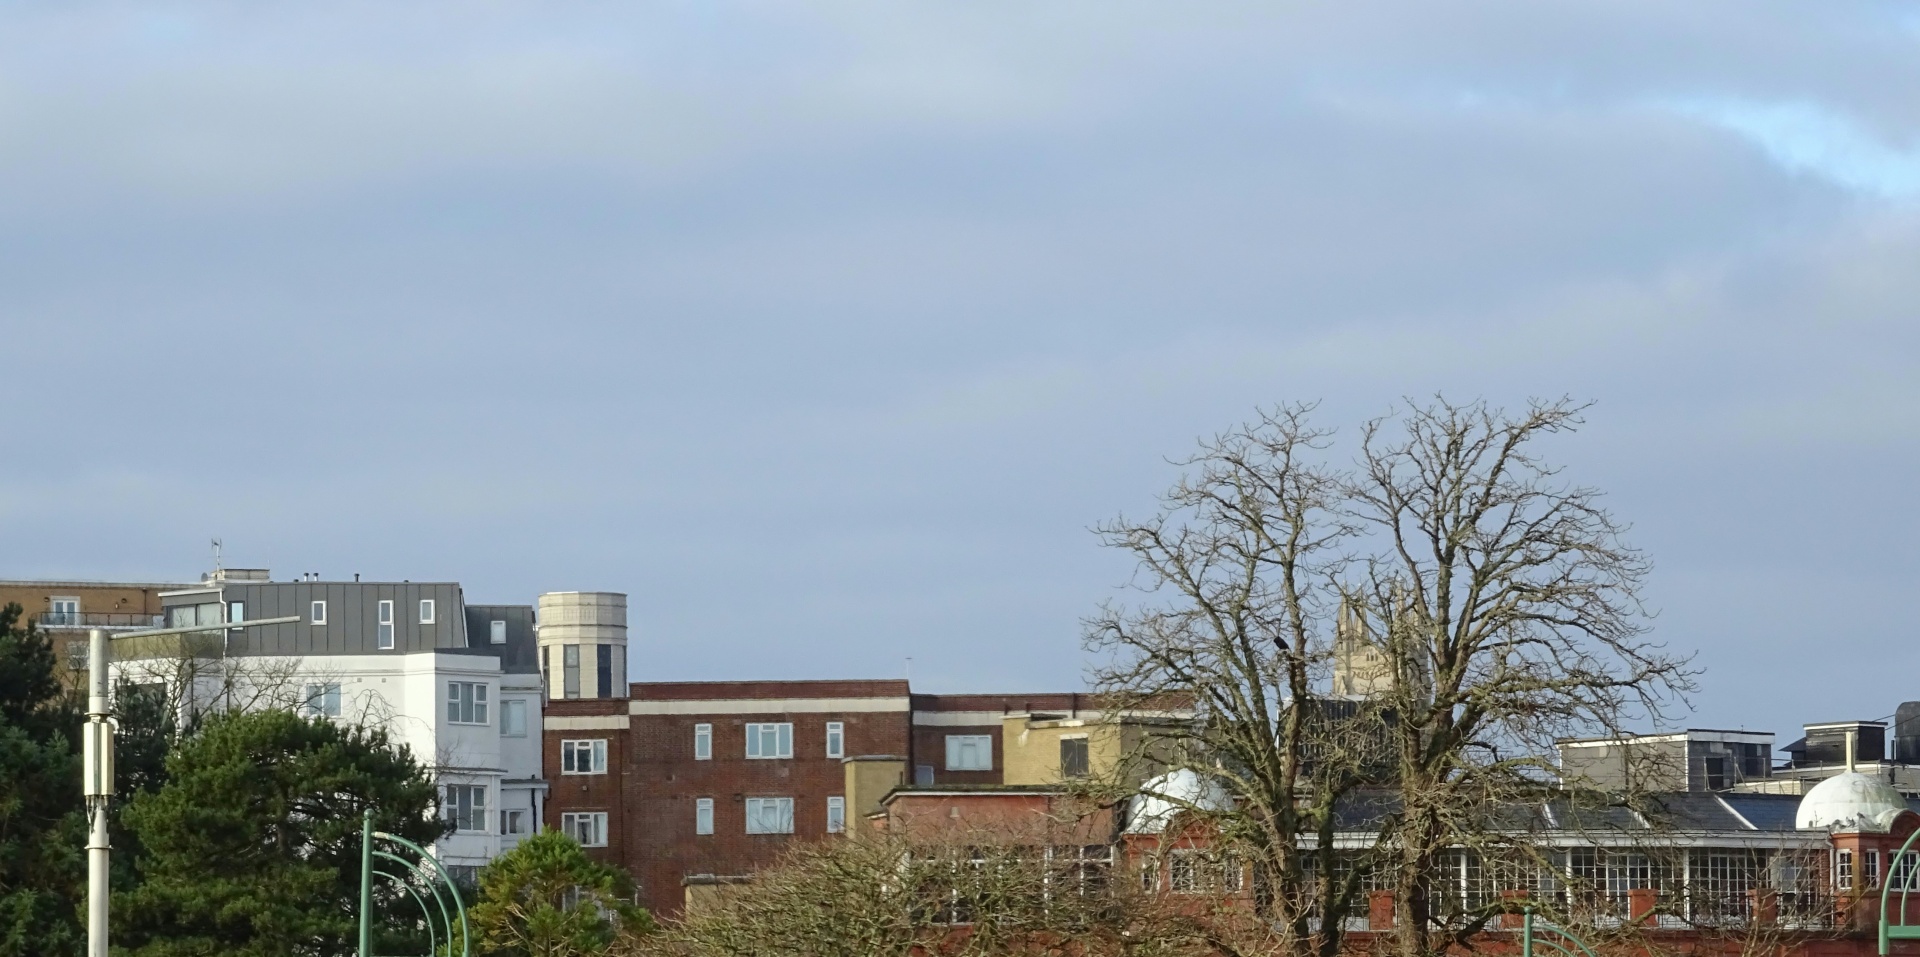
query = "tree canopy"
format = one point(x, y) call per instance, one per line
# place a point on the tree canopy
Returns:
point(42, 829)
point(252, 844)
point(547, 898)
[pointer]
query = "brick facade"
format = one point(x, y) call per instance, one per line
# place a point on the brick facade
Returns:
point(653, 780)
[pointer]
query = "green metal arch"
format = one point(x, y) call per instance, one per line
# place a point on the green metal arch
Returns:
point(1890, 931)
point(466, 937)
point(433, 945)
point(434, 878)
point(446, 915)
point(1527, 938)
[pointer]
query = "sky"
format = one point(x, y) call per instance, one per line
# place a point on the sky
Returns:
point(826, 331)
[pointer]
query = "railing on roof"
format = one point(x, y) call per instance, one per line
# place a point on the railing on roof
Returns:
point(97, 619)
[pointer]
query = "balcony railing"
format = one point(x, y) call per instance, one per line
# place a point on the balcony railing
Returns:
point(98, 619)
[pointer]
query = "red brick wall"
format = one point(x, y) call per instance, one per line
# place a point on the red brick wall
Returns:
point(657, 842)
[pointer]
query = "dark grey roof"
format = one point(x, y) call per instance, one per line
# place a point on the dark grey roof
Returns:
point(518, 656)
point(1599, 813)
point(1767, 812)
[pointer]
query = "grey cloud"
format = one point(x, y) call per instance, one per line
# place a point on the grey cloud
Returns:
point(827, 332)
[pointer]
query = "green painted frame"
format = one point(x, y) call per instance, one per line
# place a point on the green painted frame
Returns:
point(434, 878)
point(1890, 931)
point(1527, 939)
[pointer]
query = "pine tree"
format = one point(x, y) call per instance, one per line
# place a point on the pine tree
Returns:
point(252, 844)
point(42, 829)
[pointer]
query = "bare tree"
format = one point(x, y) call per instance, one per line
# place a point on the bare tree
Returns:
point(1467, 605)
point(1513, 598)
point(1243, 566)
point(960, 893)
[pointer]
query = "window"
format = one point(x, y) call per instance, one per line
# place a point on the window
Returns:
point(1073, 757)
point(206, 613)
point(317, 613)
point(583, 757)
point(570, 664)
point(969, 752)
point(236, 611)
point(63, 611)
point(467, 702)
point(426, 611)
point(703, 816)
point(1900, 872)
point(769, 815)
point(1716, 773)
point(922, 775)
point(1197, 872)
point(513, 718)
point(603, 671)
point(513, 822)
point(703, 742)
point(587, 827)
point(836, 815)
point(1843, 870)
point(385, 629)
point(770, 741)
point(1870, 871)
point(322, 699)
point(497, 632)
point(466, 806)
point(836, 739)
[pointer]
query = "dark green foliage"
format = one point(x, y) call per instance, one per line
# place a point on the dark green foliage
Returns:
point(42, 827)
point(547, 898)
point(252, 844)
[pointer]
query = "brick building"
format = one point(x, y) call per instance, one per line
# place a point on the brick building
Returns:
point(691, 784)
point(67, 610)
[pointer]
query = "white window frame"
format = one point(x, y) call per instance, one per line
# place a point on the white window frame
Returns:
point(317, 612)
point(513, 820)
point(384, 627)
point(836, 739)
point(703, 815)
point(476, 795)
point(496, 632)
point(594, 750)
point(836, 814)
point(59, 615)
point(703, 742)
point(426, 611)
point(769, 815)
point(509, 708)
point(474, 697)
point(957, 746)
point(1843, 870)
point(592, 823)
point(321, 698)
point(782, 734)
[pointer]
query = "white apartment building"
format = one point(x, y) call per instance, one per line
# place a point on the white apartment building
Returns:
point(458, 684)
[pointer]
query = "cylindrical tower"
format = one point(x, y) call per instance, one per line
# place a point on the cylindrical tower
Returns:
point(583, 644)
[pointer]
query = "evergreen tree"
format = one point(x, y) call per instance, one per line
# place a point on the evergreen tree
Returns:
point(42, 826)
point(547, 898)
point(252, 844)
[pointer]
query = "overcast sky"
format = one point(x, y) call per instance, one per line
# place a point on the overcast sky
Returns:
point(826, 330)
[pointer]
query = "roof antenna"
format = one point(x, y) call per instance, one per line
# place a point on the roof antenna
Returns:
point(216, 558)
point(909, 670)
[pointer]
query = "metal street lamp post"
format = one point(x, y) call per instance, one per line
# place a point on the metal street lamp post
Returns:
point(96, 772)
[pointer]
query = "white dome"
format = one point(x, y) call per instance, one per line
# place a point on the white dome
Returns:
point(1162, 797)
point(1850, 802)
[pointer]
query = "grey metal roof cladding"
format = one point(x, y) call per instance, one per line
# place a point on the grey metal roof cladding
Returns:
point(519, 655)
point(352, 625)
